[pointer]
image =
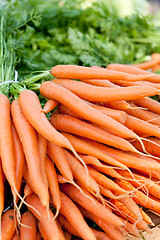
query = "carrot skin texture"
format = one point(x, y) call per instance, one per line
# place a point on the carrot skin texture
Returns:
point(56, 153)
point(73, 125)
point(19, 157)
point(78, 197)
point(49, 106)
point(75, 217)
point(80, 174)
point(16, 237)
point(102, 94)
point(109, 229)
point(29, 220)
point(70, 100)
point(83, 146)
point(50, 226)
point(42, 231)
point(53, 183)
point(8, 225)
point(79, 72)
point(29, 142)
point(6, 142)
point(38, 120)
point(38, 236)
point(1, 192)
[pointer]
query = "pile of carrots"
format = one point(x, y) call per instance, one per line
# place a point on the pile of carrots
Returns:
point(97, 157)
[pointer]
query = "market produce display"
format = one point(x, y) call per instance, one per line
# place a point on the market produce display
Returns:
point(79, 136)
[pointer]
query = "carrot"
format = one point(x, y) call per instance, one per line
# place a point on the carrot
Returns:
point(79, 72)
point(79, 173)
point(103, 94)
point(73, 215)
point(148, 64)
point(29, 226)
point(28, 138)
point(142, 127)
point(49, 106)
point(53, 184)
point(149, 103)
point(140, 197)
point(98, 209)
point(42, 148)
point(104, 168)
point(149, 185)
point(39, 121)
point(99, 82)
point(131, 228)
point(56, 153)
point(84, 147)
point(6, 144)
point(132, 69)
point(42, 231)
point(19, 157)
point(27, 190)
point(8, 225)
point(109, 229)
point(152, 146)
point(28, 180)
point(104, 181)
point(119, 116)
point(127, 159)
point(154, 57)
point(66, 225)
point(122, 211)
point(64, 110)
point(107, 192)
point(75, 126)
point(67, 98)
point(145, 115)
point(146, 218)
point(49, 224)
point(16, 237)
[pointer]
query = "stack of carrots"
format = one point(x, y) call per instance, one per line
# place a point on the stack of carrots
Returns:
point(97, 157)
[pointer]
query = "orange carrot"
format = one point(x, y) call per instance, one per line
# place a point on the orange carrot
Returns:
point(122, 211)
point(53, 184)
point(27, 190)
point(132, 69)
point(29, 227)
point(98, 209)
point(38, 120)
point(28, 138)
point(49, 224)
point(149, 103)
point(1, 192)
point(67, 98)
point(6, 144)
point(143, 114)
point(73, 215)
point(42, 231)
point(28, 180)
point(49, 106)
point(80, 174)
point(8, 225)
point(140, 197)
point(142, 127)
point(148, 64)
point(67, 235)
point(79, 72)
point(154, 57)
point(75, 126)
point(19, 157)
point(128, 159)
point(64, 110)
point(103, 94)
point(104, 168)
point(148, 184)
point(84, 147)
point(110, 229)
point(42, 147)
point(56, 153)
point(104, 181)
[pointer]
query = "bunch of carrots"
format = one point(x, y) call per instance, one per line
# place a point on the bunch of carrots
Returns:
point(97, 157)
